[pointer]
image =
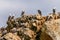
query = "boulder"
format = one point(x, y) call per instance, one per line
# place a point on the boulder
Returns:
point(52, 28)
point(11, 36)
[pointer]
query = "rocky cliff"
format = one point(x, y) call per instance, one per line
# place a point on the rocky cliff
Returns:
point(32, 27)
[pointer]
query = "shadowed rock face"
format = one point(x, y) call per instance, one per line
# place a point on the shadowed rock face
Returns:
point(45, 36)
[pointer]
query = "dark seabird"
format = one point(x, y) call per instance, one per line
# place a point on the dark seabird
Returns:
point(39, 11)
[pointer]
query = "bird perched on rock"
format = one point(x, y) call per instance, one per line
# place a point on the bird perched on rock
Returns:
point(22, 13)
point(54, 10)
point(9, 18)
point(39, 11)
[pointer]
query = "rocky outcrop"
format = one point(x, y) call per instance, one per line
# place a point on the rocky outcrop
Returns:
point(32, 27)
point(52, 28)
point(11, 36)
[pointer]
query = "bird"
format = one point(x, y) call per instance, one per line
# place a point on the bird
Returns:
point(54, 11)
point(39, 11)
point(22, 13)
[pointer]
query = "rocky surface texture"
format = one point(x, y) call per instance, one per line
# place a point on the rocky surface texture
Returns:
point(53, 28)
point(32, 27)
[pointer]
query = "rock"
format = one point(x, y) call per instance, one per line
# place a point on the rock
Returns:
point(11, 36)
point(26, 34)
point(32, 27)
point(0, 33)
point(4, 32)
point(52, 28)
point(13, 30)
point(38, 16)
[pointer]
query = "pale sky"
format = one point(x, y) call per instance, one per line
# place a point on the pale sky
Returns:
point(30, 6)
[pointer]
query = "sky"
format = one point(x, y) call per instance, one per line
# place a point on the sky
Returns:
point(14, 7)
